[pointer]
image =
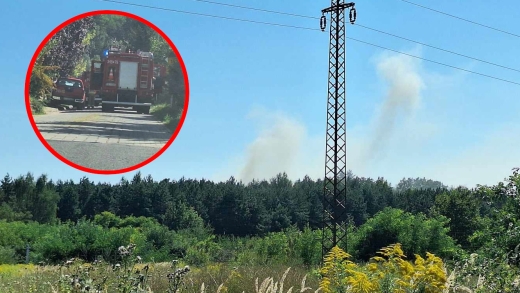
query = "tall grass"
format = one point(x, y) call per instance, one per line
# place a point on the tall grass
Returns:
point(386, 273)
point(168, 115)
point(154, 277)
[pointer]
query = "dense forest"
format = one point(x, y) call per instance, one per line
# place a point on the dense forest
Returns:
point(275, 220)
point(71, 50)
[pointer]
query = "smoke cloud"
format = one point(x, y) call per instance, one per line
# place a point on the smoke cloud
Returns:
point(283, 144)
point(275, 150)
point(401, 100)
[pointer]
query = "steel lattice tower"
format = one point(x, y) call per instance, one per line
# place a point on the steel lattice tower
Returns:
point(334, 195)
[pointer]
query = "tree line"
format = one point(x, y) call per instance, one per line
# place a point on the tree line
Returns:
point(230, 208)
point(421, 214)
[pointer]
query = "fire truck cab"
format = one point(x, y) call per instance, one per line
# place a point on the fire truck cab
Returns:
point(124, 79)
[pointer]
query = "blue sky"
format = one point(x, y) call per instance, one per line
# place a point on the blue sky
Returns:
point(258, 93)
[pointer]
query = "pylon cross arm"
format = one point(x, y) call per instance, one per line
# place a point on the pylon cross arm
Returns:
point(338, 7)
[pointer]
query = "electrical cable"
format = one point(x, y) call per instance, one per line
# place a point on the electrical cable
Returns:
point(437, 48)
point(436, 62)
point(298, 27)
point(463, 19)
point(257, 9)
point(211, 15)
point(359, 25)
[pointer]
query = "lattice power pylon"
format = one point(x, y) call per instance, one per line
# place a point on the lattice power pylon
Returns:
point(334, 195)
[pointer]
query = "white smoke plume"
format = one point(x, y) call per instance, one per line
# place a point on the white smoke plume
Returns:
point(275, 150)
point(283, 144)
point(401, 100)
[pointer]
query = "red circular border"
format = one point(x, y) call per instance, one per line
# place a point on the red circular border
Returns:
point(28, 102)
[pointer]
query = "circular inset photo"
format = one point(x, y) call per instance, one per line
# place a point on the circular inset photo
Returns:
point(107, 92)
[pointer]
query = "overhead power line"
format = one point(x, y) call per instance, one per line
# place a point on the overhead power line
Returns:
point(463, 19)
point(211, 15)
point(437, 48)
point(313, 29)
point(361, 26)
point(257, 9)
point(436, 62)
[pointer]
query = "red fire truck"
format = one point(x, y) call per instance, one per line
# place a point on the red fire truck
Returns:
point(125, 79)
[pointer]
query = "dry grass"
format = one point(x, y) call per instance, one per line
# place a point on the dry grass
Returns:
point(212, 278)
point(220, 278)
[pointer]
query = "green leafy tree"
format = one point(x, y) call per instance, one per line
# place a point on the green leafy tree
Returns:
point(417, 233)
point(418, 183)
point(68, 47)
point(68, 205)
point(461, 206)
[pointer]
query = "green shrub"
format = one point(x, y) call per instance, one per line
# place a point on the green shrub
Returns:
point(416, 233)
point(37, 106)
point(41, 83)
point(168, 115)
point(8, 255)
point(308, 246)
point(196, 256)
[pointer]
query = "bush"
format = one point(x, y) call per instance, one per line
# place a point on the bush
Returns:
point(41, 83)
point(481, 274)
point(37, 106)
point(416, 233)
point(308, 246)
point(168, 115)
point(196, 256)
point(8, 255)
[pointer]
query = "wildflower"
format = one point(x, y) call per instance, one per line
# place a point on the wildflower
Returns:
point(122, 250)
point(69, 262)
point(360, 282)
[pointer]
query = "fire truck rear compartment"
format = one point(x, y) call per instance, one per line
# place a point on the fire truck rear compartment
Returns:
point(124, 97)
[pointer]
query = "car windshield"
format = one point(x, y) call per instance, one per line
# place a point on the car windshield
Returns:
point(69, 82)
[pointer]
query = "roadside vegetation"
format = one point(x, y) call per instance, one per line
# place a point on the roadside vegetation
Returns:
point(167, 114)
point(37, 106)
point(419, 236)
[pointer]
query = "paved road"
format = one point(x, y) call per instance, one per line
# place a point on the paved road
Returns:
point(103, 141)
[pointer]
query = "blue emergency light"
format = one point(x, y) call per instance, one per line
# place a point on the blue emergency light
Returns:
point(105, 53)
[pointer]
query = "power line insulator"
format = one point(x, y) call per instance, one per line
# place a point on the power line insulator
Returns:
point(323, 23)
point(352, 15)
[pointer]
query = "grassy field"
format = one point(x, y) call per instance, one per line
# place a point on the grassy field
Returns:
point(388, 273)
point(154, 277)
